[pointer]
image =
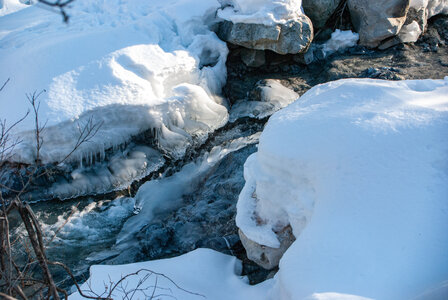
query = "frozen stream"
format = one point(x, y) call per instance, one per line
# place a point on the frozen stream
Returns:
point(188, 206)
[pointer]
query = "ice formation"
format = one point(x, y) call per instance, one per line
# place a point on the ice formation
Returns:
point(273, 96)
point(265, 12)
point(128, 65)
point(358, 168)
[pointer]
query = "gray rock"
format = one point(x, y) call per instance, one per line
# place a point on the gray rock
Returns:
point(267, 257)
point(291, 37)
point(319, 10)
point(378, 20)
point(253, 58)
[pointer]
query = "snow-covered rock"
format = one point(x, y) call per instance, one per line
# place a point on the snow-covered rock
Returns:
point(130, 65)
point(279, 26)
point(358, 169)
point(417, 18)
point(265, 12)
point(376, 21)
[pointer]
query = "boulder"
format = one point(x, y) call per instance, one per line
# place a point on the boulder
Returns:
point(264, 256)
point(290, 37)
point(378, 20)
point(319, 10)
point(417, 18)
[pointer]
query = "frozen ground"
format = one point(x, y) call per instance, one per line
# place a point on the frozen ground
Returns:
point(130, 66)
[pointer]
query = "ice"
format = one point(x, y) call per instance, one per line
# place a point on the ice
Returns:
point(161, 195)
point(260, 11)
point(273, 96)
point(200, 274)
point(118, 173)
point(130, 65)
point(358, 168)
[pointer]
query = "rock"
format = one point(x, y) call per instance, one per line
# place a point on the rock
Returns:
point(253, 58)
point(267, 257)
point(382, 73)
point(319, 10)
point(378, 20)
point(436, 7)
point(417, 18)
point(291, 37)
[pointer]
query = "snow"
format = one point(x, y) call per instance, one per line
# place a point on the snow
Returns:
point(358, 168)
point(200, 274)
point(265, 12)
point(129, 65)
point(340, 40)
point(10, 6)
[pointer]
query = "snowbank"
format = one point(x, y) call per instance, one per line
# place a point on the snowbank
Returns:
point(200, 274)
point(265, 12)
point(130, 65)
point(358, 168)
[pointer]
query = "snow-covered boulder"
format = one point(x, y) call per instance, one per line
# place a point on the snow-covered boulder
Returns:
point(358, 168)
point(376, 21)
point(319, 10)
point(279, 26)
point(132, 66)
point(417, 18)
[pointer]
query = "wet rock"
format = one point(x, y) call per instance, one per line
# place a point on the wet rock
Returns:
point(376, 21)
point(319, 10)
point(253, 58)
point(291, 37)
point(267, 257)
point(382, 73)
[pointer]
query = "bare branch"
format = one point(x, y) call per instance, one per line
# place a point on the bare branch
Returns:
point(4, 84)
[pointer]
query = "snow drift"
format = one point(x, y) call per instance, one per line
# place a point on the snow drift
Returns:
point(358, 168)
point(128, 65)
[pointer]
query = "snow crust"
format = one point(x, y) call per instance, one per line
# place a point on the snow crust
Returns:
point(130, 65)
point(265, 12)
point(358, 168)
point(206, 272)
